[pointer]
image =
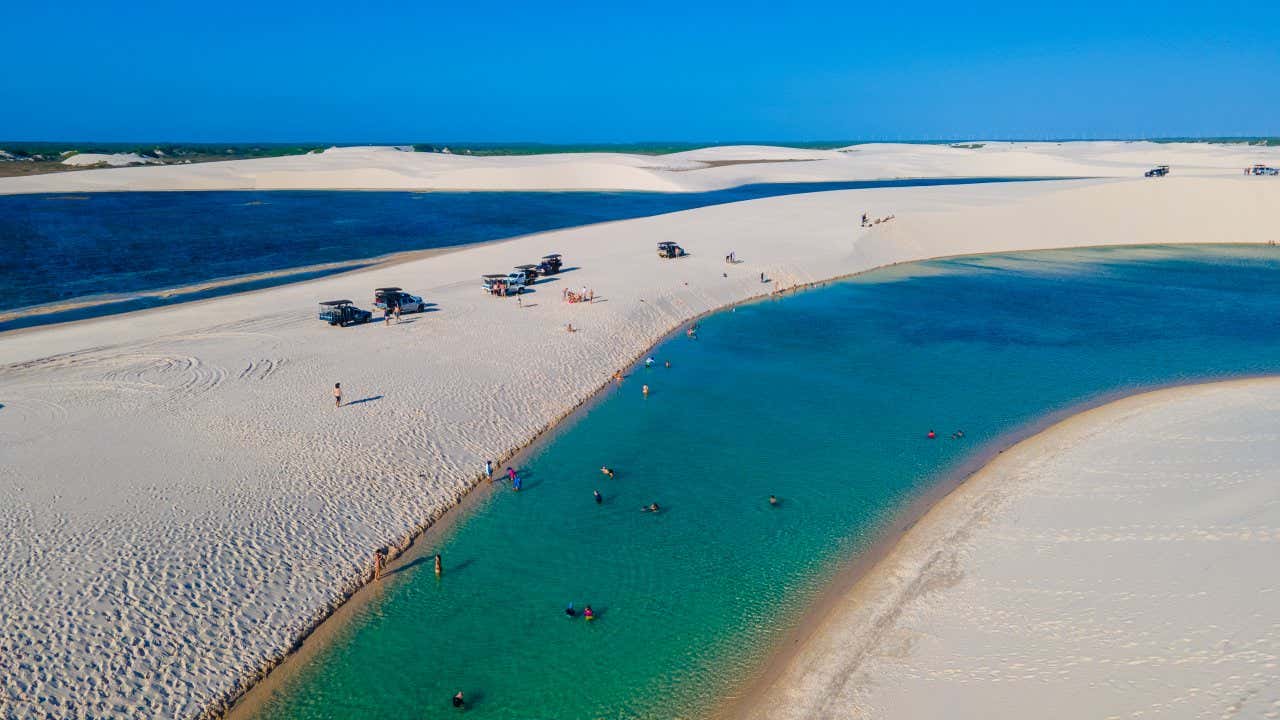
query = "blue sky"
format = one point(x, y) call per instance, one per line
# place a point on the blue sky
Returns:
point(502, 70)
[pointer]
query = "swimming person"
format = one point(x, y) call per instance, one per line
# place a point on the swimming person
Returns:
point(931, 435)
point(570, 611)
point(648, 362)
point(668, 364)
point(588, 613)
point(773, 500)
point(651, 507)
point(458, 701)
point(337, 394)
point(645, 390)
point(606, 470)
point(599, 497)
point(439, 566)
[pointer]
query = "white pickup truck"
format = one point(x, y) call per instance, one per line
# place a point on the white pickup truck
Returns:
point(514, 282)
point(395, 296)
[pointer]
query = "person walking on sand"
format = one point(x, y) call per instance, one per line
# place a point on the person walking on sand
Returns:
point(337, 394)
point(386, 316)
point(439, 566)
point(379, 563)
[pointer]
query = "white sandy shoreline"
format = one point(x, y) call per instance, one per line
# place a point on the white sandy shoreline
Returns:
point(1042, 586)
point(169, 428)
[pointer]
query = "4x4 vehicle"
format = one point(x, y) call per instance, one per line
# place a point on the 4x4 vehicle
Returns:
point(550, 264)
point(341, 313)
point(393, 296)
point(670, 250)
point(511, 283)
point(1157, 171)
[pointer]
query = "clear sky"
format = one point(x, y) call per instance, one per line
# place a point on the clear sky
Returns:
point(515, 70)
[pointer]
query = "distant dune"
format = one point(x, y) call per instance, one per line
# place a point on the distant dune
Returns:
point(389, 168)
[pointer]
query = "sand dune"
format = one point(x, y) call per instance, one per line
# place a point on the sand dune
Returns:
point(388, 168)
point(1119, 565)
point(188, 501)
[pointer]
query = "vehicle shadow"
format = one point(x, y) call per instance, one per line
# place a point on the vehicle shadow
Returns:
point(371, 398)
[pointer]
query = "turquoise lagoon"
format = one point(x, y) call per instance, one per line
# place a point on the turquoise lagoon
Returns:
point(822, 398)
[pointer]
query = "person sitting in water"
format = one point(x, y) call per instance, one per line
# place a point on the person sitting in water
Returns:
point(570, 611)
point(459, 701)
point(588, 613)
point(648, 362)
point(931, 435)
point(773, 500)
point(606, 470)
point(651, 507)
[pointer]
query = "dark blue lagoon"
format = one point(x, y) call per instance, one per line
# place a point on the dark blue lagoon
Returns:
point(822, 398)
point(100, 253)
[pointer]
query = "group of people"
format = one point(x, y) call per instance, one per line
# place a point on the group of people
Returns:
point(868, 222)
point(586, 295)
point(957, 435)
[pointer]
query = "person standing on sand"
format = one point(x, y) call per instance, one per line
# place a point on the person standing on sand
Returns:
point(337, 394)
point(397, 314)
point(439, 566)
point(488, 469)
point(386, 316)
point(511, 474)
point(379, 563)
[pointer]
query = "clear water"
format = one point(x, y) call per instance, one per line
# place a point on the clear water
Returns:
point(822, 398)
point(114, 246)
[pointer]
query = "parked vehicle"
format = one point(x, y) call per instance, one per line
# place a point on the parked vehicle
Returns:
point(512, 283)
point(670, 250)
point(530, 271)
point(550, 264)
point(341, 313)
point(393, 296)
point(1158, 171)
point(1263, 170)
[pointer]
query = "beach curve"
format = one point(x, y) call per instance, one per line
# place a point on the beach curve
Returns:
point(1049, 572)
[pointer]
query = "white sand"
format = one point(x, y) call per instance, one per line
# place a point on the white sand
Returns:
point(181, 498)
point(390, 168)
point(112, 159)
point(1123, 564)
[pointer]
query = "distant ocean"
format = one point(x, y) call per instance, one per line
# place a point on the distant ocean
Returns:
point(100, 253)
point(822, 398)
